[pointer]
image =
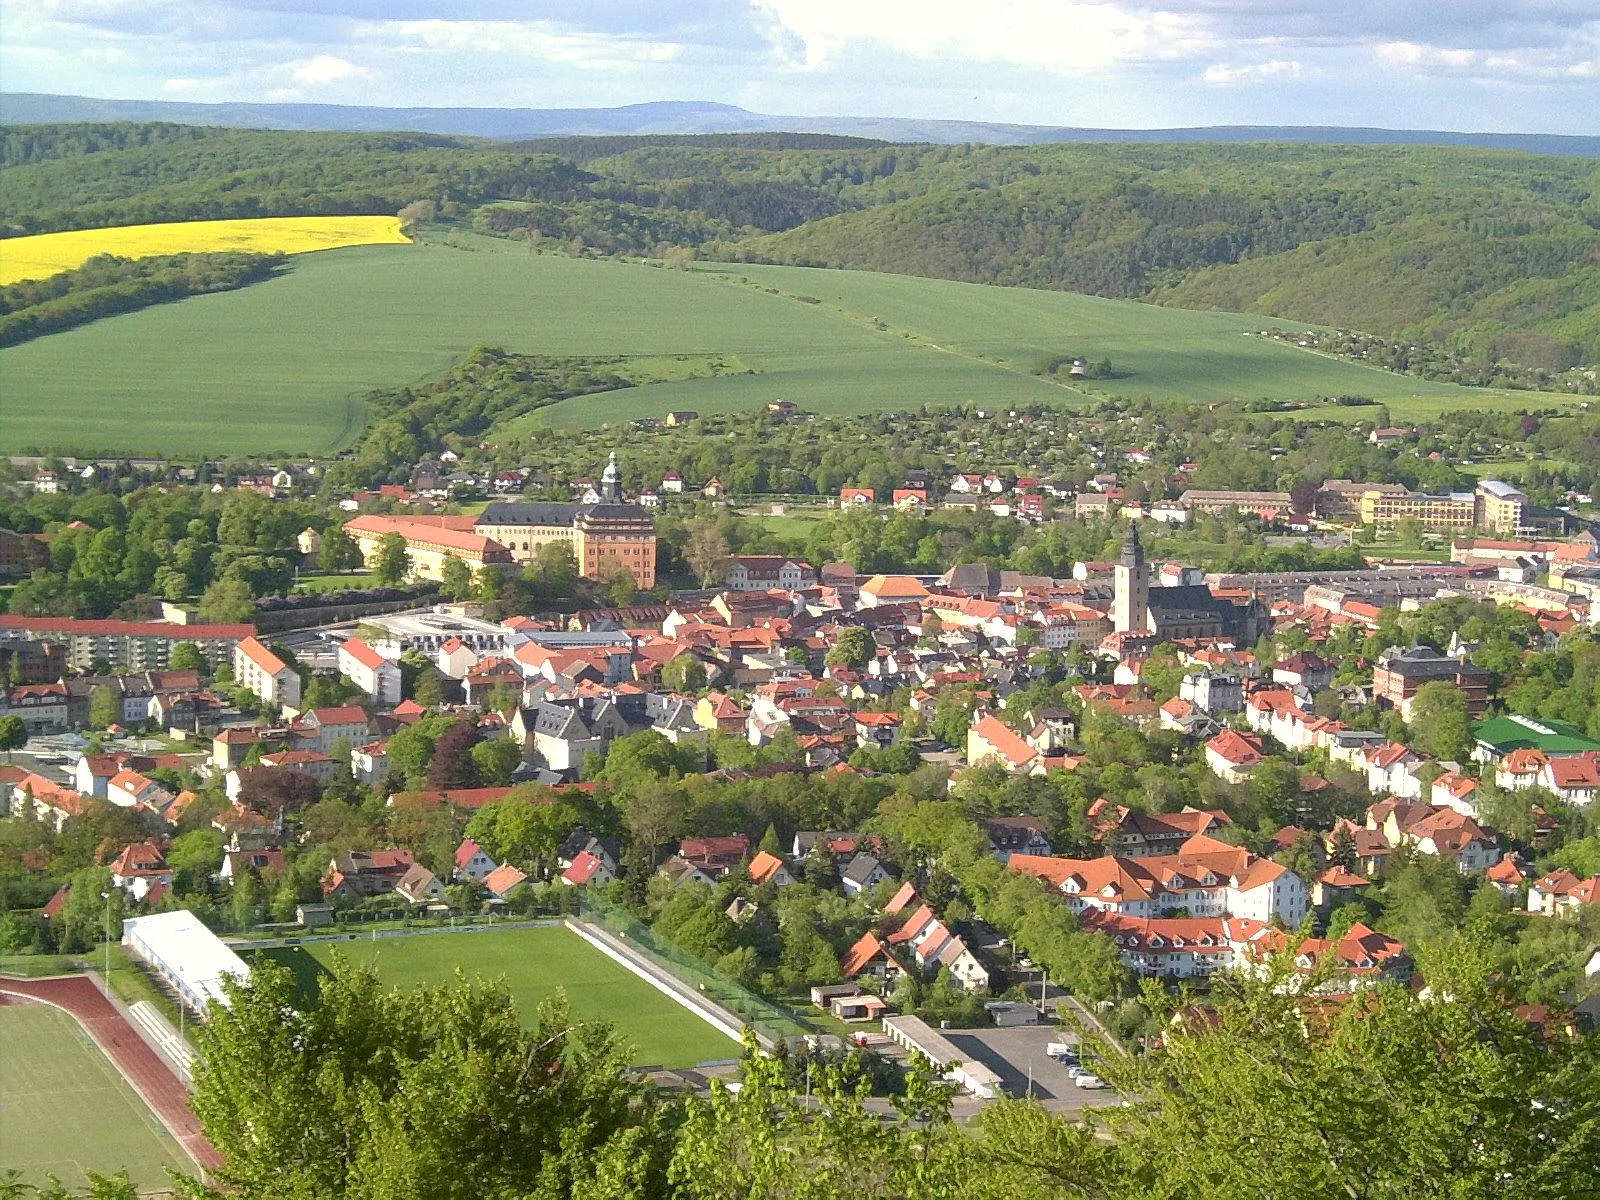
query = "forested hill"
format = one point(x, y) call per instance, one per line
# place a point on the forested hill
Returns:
point(1494, 252)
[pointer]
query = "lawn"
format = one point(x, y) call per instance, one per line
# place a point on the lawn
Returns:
point(534, 963)
point(45, 254)
point(281, 366)
point(65, 1110)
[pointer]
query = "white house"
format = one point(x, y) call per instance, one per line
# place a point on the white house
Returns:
point(456, 658)
point(257, 668)
point(370, 671)
point(473, 861)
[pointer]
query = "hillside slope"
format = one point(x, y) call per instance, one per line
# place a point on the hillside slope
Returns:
point(1494, 254)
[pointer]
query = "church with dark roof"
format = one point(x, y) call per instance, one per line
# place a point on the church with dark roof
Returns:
point(1177, 611)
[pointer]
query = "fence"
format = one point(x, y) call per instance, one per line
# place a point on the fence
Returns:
point(771, 1020)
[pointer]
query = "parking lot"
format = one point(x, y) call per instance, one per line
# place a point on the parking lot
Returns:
point(1018, 1057)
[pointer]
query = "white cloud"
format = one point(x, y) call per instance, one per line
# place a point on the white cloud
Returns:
point(1414, 55)
point(1277, 68)
point(530, 39)
point(1058, 35)
point(325, 69)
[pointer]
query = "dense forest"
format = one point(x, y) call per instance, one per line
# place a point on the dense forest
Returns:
point(1494, 254)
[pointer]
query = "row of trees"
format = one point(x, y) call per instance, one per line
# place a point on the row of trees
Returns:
point(445, 1093)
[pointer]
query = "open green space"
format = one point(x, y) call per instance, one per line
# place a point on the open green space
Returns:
point(64, 1109)
point(281, 366)
point(534, 963)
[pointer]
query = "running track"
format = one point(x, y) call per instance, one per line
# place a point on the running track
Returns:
point(141, 1066)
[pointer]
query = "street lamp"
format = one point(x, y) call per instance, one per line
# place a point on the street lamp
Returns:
point(106, 896)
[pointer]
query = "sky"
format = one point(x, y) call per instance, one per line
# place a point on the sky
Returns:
point(1473, 65)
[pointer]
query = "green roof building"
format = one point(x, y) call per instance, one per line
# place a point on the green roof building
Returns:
point(1555, 739)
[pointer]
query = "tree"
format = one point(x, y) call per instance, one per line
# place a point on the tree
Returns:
point(436, 1094)
point(1394, 1094)
point(644, 757)
point(105, 706)
point(1440, 725)
point(339, 553)
point(455, 577)
point(194, 858)
point(227, 602)
point(418, 212)
point(854, 648)
point(391, 564)
point(452, 764)
point(706, 552)
point(186, 656)
point(496, 759)
point(13, 734)
point(428, 687)
point(685, 673)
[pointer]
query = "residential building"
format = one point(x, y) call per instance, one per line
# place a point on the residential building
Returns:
point(1561, 892)
point(1400, 672)
point(141, 645)
point(1205, 878)
point(357, 874)
point(377, 676)
point(260, 671)
point(762, 572)
point(139, 868)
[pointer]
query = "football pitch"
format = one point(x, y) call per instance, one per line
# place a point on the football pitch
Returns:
point(64, 1109)
point(534, 963)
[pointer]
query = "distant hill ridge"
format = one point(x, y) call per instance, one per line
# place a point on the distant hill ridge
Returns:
point(701, 117)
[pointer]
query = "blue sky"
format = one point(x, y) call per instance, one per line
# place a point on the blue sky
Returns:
point(1489, 65)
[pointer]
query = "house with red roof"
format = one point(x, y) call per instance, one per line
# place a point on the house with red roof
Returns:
point(1562, 892)
point(357, 874)
point(504, 880)
point(473, 861)
point(768, 868)
point(319, 728)
point(1233, 755)
point(1205, 878)
point(856, 496)
point(992, 740)
point(370, 671)
point(715, 857)
point(587, 868)
point(257, 668)
point(455, 658)
point(138, 867)
point(869, 956)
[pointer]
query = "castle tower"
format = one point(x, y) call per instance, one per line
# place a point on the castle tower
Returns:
point(1130, 604)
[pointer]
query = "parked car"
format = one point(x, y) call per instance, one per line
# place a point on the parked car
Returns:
point(1085, 1080)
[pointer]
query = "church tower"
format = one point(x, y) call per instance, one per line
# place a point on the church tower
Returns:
point(1130, 604)
point(611, 483)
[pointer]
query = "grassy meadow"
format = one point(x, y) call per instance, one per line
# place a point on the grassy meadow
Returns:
point(281, 366)
point(45, 254)
point(534, 962)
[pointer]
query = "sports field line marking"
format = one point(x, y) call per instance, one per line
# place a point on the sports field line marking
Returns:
point(683, 998)
point(155, 1111)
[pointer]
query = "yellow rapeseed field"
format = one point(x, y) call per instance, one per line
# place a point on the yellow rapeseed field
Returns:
point(48, 253)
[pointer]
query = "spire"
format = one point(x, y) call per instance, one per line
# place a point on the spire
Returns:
point(1132, 551)
point(611, 482)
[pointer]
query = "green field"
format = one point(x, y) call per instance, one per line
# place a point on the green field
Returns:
point(534, 963)
point(280, 366)
point(65, 1110)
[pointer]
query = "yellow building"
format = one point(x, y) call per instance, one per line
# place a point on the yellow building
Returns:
point(604, 537)
point(1451, 513)
point(429, 542)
